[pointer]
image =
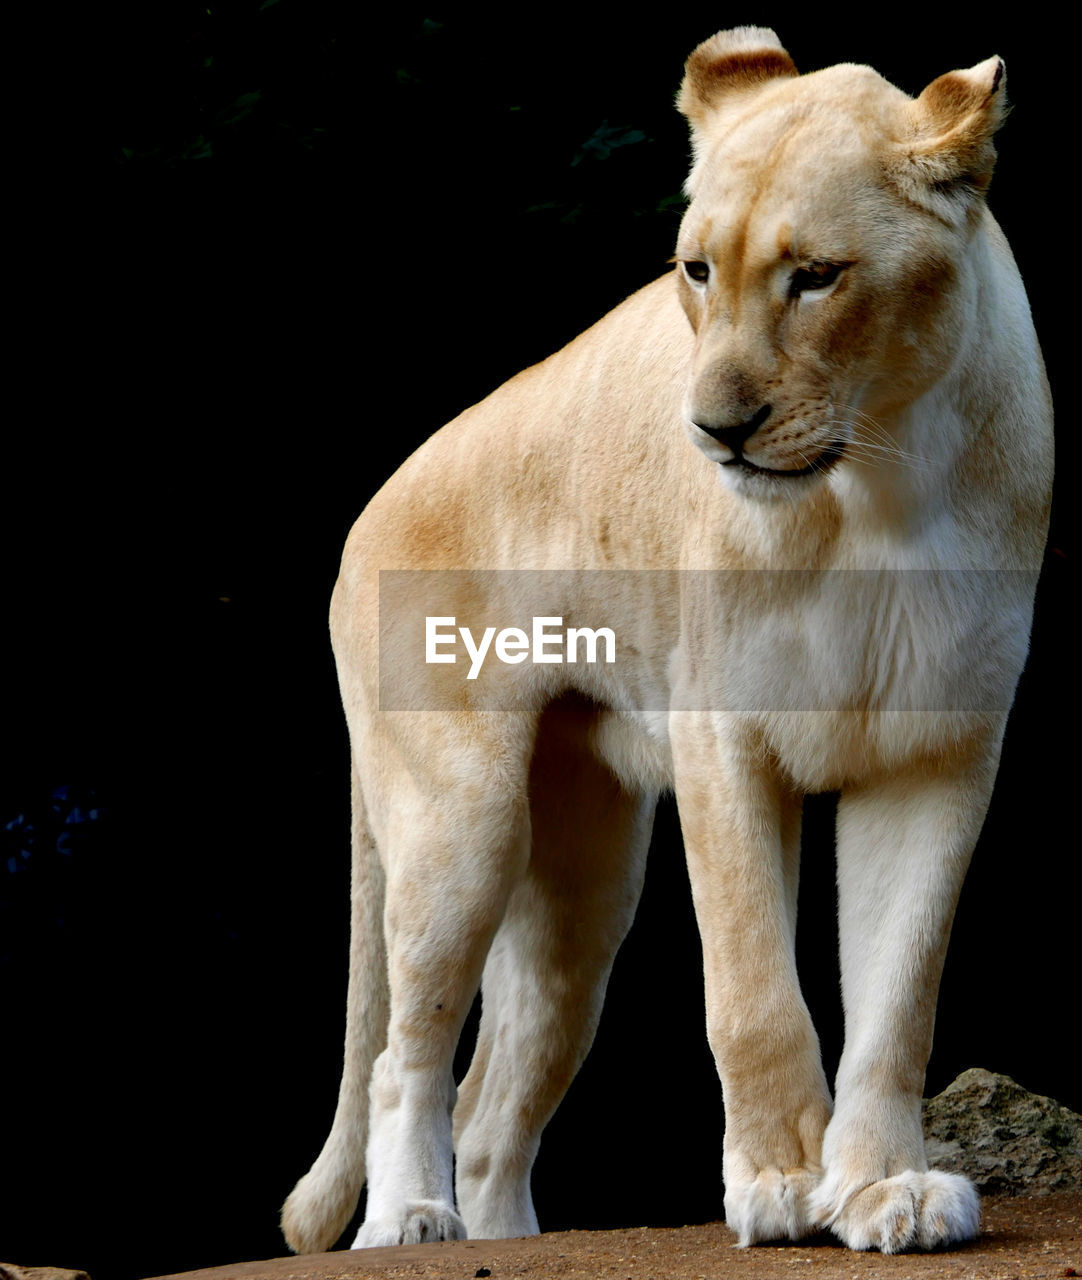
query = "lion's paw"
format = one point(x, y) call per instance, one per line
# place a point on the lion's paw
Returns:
point(772, 1206)
point(909, 1211)
point(420, 1222)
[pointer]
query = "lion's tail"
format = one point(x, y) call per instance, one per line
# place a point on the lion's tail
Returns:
point(320, 1206)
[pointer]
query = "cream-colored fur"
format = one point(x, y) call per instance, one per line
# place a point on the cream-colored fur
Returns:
point(829, 587)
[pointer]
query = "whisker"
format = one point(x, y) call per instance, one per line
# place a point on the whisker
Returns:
point(881, 437)
point(865, 451)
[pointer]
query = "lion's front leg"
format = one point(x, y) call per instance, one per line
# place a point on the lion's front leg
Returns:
point(903, 849)
point(742, 835)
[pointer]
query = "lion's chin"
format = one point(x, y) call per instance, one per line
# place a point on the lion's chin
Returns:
point(747, 477)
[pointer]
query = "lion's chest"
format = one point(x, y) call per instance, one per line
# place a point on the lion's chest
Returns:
point(844, 673)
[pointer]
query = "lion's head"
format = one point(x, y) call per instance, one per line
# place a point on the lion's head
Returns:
point(821, 262)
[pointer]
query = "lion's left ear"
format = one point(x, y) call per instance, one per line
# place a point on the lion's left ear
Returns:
point(947, 134)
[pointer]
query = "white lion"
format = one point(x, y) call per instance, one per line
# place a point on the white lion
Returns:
point(830, 587)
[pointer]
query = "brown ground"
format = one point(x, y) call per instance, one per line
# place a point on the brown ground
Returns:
point(1023, 1237)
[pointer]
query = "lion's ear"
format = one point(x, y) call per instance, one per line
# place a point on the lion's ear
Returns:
point(729, 65)
point(947, 139)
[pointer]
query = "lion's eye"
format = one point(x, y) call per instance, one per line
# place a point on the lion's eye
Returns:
point(697, 271)
point(816, 275)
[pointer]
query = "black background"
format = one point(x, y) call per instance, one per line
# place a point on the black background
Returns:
point(272, 248)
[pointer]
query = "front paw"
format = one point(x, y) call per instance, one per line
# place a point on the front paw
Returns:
point(774, 1205)
point(909, 1211)
point(419, 1222)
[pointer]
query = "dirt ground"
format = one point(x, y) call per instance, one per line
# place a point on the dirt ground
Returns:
point(1021, 1237)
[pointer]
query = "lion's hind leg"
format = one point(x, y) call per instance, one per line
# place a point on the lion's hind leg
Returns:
point(453, 829)
point(545, 978)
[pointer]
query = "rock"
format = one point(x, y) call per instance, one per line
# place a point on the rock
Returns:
point(1008, 1140)
point(8, 1271)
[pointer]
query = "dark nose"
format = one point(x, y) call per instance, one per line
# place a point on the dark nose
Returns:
point(734, 435)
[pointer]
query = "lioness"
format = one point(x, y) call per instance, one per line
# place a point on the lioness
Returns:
point(829, 588)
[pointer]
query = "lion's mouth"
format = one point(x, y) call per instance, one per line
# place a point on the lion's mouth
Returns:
point(818, 466)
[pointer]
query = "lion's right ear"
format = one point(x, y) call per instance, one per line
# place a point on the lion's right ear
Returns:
point(727, 66)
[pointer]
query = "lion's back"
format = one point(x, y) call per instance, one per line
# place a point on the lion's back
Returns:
point(599, 414)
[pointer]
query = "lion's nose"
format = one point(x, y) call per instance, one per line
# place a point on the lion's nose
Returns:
point(734, 435)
